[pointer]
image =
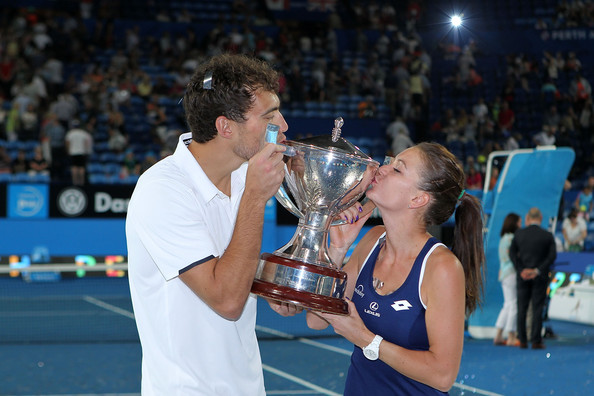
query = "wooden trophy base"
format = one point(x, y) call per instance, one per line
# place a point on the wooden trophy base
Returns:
point(269, 286)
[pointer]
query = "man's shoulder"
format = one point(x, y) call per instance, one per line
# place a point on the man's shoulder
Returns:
point(162, 183)
point(543, 231)
point(529, 230)
point(164, 171)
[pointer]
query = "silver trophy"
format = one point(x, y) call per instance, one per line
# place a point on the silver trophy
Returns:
point(324, 176)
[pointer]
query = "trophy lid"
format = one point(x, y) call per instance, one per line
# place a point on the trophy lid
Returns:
point(327, 142)
point(334, 143)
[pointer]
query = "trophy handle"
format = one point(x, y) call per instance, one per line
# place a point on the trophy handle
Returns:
point(283, 198)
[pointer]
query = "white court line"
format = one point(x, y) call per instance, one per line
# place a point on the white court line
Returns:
point(476, 390)
point(109, 307)
point(326, 347)
point(299, 381)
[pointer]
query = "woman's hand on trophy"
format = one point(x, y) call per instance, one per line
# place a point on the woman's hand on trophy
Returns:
point(342, 236)
point(315, 321)
point(284, 308)
point(352, 214)
point(350, 326)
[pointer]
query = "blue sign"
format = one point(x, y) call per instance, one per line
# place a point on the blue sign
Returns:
point(29, 201)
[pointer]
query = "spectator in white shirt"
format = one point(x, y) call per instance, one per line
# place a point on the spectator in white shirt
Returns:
point(79, 145)
point(575, 231)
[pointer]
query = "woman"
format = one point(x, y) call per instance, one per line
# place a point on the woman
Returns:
point(507, 319)
point(407, 292)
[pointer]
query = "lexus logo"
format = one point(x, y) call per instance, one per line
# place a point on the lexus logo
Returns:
point(374, 306)
point(72, 201)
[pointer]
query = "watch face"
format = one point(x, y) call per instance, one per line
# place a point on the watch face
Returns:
point(370, 354)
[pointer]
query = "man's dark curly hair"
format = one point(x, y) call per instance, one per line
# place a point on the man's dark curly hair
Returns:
point(235, 79)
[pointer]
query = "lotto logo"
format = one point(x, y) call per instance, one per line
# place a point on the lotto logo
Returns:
point(401, 305)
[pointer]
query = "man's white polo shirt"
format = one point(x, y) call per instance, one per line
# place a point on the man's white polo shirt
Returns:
point(178, 219)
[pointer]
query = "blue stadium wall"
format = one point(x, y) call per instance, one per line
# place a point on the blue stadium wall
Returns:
point(68, 221)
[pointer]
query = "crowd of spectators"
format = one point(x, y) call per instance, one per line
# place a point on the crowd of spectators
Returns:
point(572, 13)
point(546, 101)
point(58, 69)
point(122, 85)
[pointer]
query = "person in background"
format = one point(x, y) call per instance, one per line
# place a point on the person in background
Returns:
point(506, 117)
point(130, 165)
point(474, 179)
point(584, 202)
point(54, 132)
point(533, 251)
point(575, 231)
point(5, 161)
point(494, 177)
point(507, 321)
point(150, 159)
point(399, 134)
point(20, 163)
point(546, 137)
point(366, 108)
point(408, 294)
point(194, 230)
point(79, 145)
point(38, 164)
point(116, 142)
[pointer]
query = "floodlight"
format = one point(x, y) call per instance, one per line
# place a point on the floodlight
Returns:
point(456, 20)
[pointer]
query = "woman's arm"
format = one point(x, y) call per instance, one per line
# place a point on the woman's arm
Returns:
point(443, 291)
point(337, 254)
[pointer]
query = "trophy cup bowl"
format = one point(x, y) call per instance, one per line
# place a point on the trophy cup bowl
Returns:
point(325, 177)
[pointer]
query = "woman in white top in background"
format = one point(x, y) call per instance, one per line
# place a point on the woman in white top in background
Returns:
point(507, 319)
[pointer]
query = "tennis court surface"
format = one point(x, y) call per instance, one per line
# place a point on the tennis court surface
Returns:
point(72, 335)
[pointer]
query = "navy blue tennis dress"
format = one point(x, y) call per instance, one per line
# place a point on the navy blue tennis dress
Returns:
point(400, 319)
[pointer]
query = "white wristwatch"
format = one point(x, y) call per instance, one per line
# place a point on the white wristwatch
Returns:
point(371, 351)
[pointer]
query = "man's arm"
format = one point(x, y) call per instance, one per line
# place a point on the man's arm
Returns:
point(549, 260)
point(224, 283)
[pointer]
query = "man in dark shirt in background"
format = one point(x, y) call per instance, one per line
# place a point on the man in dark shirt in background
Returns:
point(533, 252)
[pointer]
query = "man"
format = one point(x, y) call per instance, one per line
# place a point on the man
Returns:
point(546, 137)
point(194, 229)
point(55, 132)
point(533, 251)
point(398, 132)
point(79, 145)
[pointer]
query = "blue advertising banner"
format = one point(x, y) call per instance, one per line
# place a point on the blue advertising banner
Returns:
point(3, 201)
point(91, 201)
point(29, 201)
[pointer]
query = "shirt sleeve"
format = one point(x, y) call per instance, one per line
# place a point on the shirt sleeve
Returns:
point(513, 253)
point(171, 227)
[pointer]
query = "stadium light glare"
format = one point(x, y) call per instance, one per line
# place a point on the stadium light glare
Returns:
point(456, 20)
